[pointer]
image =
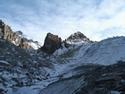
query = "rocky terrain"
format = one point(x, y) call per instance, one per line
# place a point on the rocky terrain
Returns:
point(104, 80)
point(94, 79)
point(75, 65)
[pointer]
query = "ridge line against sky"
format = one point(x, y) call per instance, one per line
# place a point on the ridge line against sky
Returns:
point(97, 19)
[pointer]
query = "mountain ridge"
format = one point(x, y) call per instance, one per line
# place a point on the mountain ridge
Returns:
point(16, 38)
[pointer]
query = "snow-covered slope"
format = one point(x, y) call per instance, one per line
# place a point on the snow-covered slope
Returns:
point(75, 59)
point(106, 52)
point(66, 65)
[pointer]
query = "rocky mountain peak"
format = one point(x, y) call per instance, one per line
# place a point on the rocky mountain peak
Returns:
point(77, 37)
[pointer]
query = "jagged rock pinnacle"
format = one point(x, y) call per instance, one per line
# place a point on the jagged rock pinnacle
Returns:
point(51, 43)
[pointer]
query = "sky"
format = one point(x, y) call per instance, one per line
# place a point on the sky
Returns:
point(97, 19)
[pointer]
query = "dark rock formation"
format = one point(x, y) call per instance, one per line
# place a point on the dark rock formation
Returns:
point(13, 37)
point(105, 80)
point(51, 43)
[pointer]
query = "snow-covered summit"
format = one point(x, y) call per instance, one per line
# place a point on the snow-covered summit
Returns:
point(77, 38)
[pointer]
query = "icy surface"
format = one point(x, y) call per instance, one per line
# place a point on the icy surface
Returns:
point(105, 52)
point(62, 78)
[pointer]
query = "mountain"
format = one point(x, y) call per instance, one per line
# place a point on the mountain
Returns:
point(94, 68)
point(82, 67)
point(17, 37)
point(77, 38)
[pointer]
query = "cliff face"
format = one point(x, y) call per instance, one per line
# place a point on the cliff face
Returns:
point(13, 37)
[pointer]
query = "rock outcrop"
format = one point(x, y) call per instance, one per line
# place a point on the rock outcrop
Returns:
point(51, 43)
point(14, 37)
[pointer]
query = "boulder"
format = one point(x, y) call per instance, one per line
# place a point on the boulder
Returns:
point(51, 43)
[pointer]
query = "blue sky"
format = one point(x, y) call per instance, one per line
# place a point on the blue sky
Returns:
point(97, 19)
